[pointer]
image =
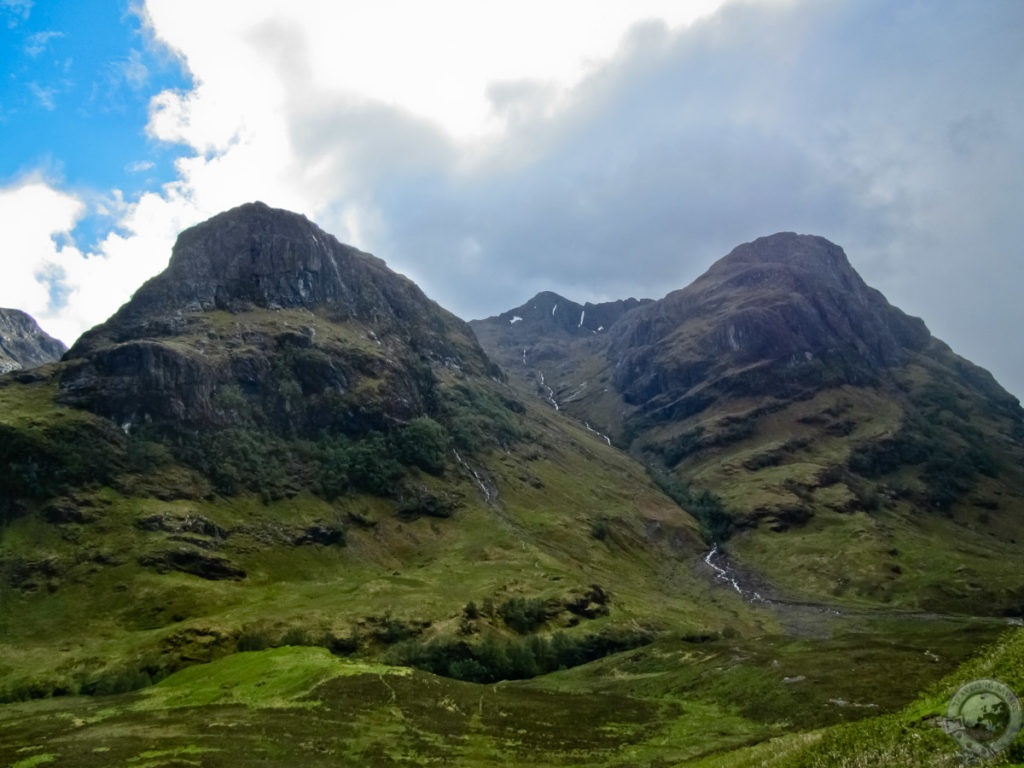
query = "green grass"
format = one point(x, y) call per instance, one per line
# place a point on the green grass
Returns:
point(680, 703)
point(279, 677)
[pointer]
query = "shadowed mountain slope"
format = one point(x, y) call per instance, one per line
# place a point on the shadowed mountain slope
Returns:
point(813, 411)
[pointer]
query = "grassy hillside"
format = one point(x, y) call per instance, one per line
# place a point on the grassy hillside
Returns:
point(108, 586)
point(774, 702)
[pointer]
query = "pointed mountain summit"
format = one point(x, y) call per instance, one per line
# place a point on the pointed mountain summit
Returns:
point(795, 394)
point(258, 257)
point(23, 344)
point(551, 311)
point(781, 315)
point(241, 290)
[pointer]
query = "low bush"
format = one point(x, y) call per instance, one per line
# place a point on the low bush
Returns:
point(707, 508)
point(502, 658)
point(523, 614)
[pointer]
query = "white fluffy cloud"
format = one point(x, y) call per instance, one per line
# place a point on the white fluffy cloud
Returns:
point(36, 217)
point(67, 290)
point(306, 107)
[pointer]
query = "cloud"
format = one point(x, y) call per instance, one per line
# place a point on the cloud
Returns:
point(68, 290)
point(16, 11)
point(35, 215)
point(40, 41)
point(138, 166)
point(131, 70)
point(493, 151)
point(44, 95)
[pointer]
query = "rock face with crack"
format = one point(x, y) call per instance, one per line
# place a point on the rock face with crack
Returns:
point(23, 344)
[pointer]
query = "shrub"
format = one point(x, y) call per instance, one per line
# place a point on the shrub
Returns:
point(253, 640)
point(523, 614)
point(715, 523)
point(599, 528)
point(499, 658)
point(422, 443)
point(297, 636)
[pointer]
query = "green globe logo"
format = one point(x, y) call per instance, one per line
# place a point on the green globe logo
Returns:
point(984, 717)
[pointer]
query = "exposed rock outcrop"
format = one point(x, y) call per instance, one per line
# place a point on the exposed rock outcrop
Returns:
point(783, 313)
point(262, 303)
point(23, 344)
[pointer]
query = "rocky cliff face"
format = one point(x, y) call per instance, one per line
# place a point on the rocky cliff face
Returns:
point(23, 344)
point(781, 315)
point(264, 301)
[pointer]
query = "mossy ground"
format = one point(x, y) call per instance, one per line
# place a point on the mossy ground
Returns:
point(769, 702)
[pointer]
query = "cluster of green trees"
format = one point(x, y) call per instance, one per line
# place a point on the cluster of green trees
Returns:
point(246, 457)
point(950, 464)
point(511, 658)
point(38, 464)
point(478, 417)
point(523, 614)
point(715, 523)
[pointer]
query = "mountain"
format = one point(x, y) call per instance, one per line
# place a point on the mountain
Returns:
point(23, 344)
point(242, 297)
point(282, 509)
point(280, 437)
point(806, 412)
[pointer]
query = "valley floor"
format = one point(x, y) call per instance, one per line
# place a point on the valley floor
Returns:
point(865, 691)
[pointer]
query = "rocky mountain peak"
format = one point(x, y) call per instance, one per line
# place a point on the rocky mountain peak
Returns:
point(255, 257)
point(244, 291)
point(23, 344)
point(784, 300)
point(258, 257)
point(549, 312)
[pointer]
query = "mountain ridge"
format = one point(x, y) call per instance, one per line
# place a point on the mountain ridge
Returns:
point(801, 400)
point(235, 453)
point(23, 344)
point(247, 497)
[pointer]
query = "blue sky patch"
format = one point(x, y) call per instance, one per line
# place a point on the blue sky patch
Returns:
point(79, 76)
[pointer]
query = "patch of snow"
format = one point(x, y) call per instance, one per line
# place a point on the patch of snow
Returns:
point(733, 343)
point(553, 310)
point(582, 314)
point(515, 319)
point(600, 328)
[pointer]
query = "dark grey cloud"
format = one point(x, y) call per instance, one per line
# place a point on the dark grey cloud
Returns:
point(893, 129)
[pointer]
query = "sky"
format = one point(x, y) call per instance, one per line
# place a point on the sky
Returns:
point(597, 148)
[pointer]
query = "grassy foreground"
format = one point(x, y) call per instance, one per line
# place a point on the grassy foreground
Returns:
point(854, 699)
